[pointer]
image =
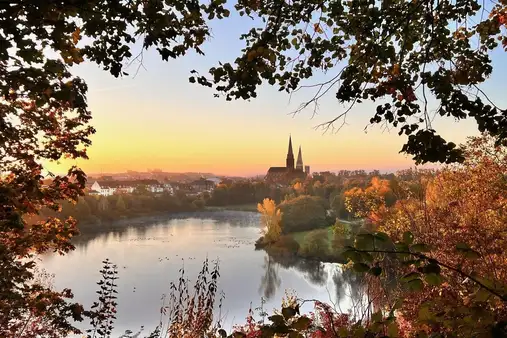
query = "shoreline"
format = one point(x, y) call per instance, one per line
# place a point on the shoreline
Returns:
point(145, 220)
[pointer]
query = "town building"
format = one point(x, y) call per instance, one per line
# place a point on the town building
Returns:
point(291, 172)
point(111, 187)
point(202, 185)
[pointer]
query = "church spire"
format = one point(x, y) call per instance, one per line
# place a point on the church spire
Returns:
point(290, 155)
point(299, 163)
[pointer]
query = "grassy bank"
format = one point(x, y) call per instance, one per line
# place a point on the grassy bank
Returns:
point(351, 227)
point(240, 207)
point(317, 244)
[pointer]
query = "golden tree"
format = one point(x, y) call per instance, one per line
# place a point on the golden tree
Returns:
point(271, 217)
point(460, 219)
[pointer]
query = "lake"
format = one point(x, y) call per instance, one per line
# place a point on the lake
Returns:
point(149, 254)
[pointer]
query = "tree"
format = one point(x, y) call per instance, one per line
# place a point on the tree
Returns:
point(103, 205)
point(385, 50)
point(120, 204)
point(270, 220)
point(450, 240)
point(316, 244)
point(83, 210)
point(362, 202)
point(303, 213)
point(298, 188)
point(44, 117)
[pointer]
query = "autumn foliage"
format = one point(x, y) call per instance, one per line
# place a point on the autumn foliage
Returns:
point(459, 219)
point(271, 218)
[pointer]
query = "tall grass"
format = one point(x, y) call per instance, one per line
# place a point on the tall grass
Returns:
point(186, 311)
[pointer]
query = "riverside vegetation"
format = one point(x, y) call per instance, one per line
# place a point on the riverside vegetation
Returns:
point(433, 263)
point(420, 274)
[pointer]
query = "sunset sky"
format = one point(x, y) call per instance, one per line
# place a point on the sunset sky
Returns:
point(160, 120)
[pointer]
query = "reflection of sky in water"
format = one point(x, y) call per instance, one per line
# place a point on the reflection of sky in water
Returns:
point(149, 257)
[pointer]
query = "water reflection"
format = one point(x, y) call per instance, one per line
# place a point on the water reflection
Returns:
point(270, 280)
point(140, 227)
point(150, 252)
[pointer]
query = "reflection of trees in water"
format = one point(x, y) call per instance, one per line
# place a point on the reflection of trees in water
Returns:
point(350, 285)
point(119, 230)
point(314, 271)
point(270, 281)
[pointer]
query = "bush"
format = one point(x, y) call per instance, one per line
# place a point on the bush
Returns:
point(288, 243)
point(285, 246)
point(304, 213)
point(341, 236)
point(316, 244)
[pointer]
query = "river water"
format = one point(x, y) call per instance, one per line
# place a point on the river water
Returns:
point(149, 254)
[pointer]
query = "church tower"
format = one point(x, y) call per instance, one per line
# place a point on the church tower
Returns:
point(299, 163)
point(290, 156)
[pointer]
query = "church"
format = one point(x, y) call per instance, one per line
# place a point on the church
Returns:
point(290, 172)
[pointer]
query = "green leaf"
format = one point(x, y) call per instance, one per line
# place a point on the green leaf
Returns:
point(392, 330)
point(361, 267)
point(424, 313)
point(383, 240)
point(367, 257)
point(420, 247)
point(415, 285)
point(410, 276)
point(366, 237)
point(402, 247)
point(433, 279)
point(467, 251)
point(301, 324)
point(352, 255)
point(397, 305)
point(483, 295)
point(376, 317)
point(408, 237)
point(382, 236)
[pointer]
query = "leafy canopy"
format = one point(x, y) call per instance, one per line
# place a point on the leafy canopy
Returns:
point(404, 55)
point(44, 116)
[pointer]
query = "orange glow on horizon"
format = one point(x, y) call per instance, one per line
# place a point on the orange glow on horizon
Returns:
point(221, 155)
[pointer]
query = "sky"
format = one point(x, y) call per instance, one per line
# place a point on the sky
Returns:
point(158, 119)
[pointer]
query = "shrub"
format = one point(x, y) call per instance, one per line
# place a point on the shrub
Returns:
point(285, 246)
point(341, 236)
point(316, 244)
point(303, 213)
point(289, 243)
